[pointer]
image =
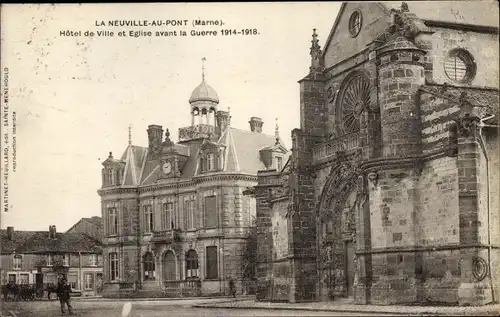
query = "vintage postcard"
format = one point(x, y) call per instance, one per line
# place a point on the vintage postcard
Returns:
point(236, 159)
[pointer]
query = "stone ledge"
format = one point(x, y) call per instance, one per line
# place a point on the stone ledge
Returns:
point(343, 306)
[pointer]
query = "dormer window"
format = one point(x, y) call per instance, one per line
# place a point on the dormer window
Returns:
point(210, 162)
point(202, 164)
point(279, 163)
point(111, 177)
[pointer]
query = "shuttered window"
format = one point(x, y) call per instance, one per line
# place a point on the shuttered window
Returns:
point(211, 217)
point(211, 263)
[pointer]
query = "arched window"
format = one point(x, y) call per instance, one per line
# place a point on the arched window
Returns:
point(355, 22)
point(169, 266)
point(353, 100)
point(149, 266)
point(192, 270)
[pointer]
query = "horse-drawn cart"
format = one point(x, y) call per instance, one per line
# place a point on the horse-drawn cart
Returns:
point(25, 292)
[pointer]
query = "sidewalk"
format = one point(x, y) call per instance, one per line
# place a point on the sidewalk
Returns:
point(223, 299)
point(347, 306)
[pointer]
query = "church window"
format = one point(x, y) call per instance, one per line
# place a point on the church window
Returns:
point(355, 22)
point(460, 66)
point(354, 99)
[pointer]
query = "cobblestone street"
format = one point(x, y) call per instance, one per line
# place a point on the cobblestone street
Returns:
point(230, 307)
point(95, 308)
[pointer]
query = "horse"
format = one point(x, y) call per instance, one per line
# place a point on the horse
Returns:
point(10, 291)
point(27, 292)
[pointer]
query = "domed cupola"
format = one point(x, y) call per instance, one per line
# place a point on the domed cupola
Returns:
point(204, 93)
point(203, 101)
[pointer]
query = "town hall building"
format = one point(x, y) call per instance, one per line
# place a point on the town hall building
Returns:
point(177, 219)
point(390, 195)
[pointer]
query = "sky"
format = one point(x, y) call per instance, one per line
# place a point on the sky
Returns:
point(74, 97)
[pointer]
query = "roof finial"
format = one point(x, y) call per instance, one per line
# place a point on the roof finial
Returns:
point(203, 60)
point(228, 110)
point(277, 132)
point(315, 51)
point(129, 134)
point(315, 43)
point(167, 135)
point(110, 155)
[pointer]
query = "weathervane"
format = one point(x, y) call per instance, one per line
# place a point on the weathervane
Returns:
point(203, 60)
point(277, 132)
point(130, 134)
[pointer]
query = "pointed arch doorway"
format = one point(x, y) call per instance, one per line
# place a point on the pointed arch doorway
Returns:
point(337, 266)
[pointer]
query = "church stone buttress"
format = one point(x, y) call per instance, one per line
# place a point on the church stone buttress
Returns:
point(387, 193)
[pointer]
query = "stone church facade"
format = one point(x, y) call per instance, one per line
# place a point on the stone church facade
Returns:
point(177, 220)
point(390, 195)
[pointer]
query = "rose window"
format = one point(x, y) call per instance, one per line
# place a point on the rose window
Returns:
point(355, 98)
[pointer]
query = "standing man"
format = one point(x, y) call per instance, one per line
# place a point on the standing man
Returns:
point(63, 291)
point(232, 289)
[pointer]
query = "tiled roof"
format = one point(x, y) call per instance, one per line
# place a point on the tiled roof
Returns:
point(96, 221)
point(18, 239)
point(64, 242)
point(39, 242)
point(242, 148)
point(189, 168)
point(245, 148)
point(134, 157)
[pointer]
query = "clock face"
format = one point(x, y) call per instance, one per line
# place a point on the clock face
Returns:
point(167, 168)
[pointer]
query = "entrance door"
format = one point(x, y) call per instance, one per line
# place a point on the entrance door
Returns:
point(39, 280)
point(349, 253)
point(99, 283)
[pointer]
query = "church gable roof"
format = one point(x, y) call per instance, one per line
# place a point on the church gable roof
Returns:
point(377, 18)
point(340, 44)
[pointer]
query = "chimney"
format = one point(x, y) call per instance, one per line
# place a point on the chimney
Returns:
point(10, 233)
point(52, 231)
point(155, 137)
point(223, 120)
point(256, 124)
